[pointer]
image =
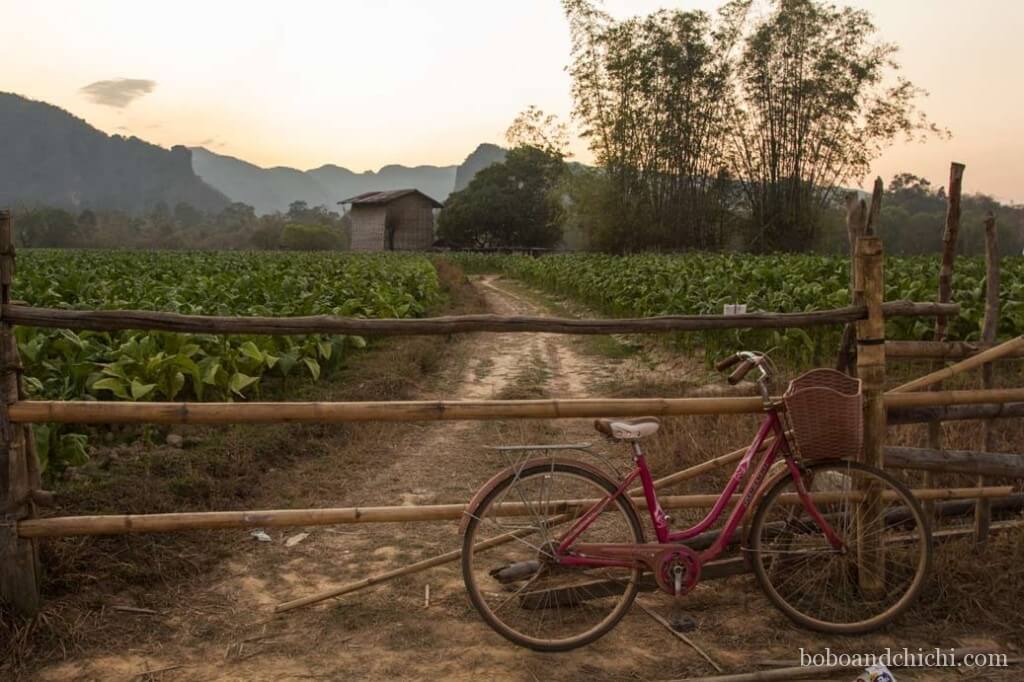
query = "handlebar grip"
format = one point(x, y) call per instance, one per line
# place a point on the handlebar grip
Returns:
point(741, 371)
point(728, 362)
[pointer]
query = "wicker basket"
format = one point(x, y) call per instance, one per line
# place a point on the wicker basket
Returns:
point(824, 409)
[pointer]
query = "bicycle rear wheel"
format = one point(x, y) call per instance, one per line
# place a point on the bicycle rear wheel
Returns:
point(517, 585)
point(822, 588)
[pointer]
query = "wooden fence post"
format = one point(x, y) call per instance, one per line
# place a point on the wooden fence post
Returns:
point(989, 329)
point(949, 238)
point(856, 227)
point(19, 470)
point(870, 286)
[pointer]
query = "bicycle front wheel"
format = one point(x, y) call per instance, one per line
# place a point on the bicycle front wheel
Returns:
point(509, 562)
point(872, 579)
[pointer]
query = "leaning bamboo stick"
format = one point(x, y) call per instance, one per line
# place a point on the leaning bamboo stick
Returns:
point(112, 412)
point(966, 397)
point(1004, 349)
point(939, 350)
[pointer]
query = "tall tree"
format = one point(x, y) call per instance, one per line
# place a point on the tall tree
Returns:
point(817, 100)
point(652, 96)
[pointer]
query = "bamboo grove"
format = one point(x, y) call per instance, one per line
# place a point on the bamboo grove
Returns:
point(735, 130)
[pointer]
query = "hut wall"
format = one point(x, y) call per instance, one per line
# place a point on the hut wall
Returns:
point(413, 218)
point(368, 227)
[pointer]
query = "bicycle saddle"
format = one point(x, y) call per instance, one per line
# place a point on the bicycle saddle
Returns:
point(627, 429)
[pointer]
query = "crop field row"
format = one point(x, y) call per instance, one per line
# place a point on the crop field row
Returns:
point(702, 283)
point(136, 365)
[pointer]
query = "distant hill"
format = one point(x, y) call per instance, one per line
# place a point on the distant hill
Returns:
point(273, 189)
point(482, 157)
point(54, 158)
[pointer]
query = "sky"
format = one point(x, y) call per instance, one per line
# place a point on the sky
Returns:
point(365, 83)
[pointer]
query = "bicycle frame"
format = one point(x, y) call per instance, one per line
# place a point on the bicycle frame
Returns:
point(628, 556)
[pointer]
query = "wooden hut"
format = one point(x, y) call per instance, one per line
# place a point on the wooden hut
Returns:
point(395, 220)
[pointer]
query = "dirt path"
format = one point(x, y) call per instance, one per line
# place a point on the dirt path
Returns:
point(221, 627)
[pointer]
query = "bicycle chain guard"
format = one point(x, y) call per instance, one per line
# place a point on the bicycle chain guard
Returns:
point(658, 559)
point(677, 555)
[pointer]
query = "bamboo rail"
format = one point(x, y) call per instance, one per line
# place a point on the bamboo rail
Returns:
point(113, 412)
point(956, 461)
point(115, 320)
point(944, 413)
point(124, 524)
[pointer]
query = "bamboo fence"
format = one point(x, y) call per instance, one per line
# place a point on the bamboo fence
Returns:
point(21, 491)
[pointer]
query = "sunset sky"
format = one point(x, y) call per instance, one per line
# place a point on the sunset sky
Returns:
point(363, 83)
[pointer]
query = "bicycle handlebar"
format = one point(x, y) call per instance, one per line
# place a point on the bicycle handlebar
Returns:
point(744, 362)
point(741, 371)
point(728, 362)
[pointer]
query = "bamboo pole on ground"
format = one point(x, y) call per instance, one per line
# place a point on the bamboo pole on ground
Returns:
point(19, 558)
point(989, 329)
point(871, 371)
point(455, 555)
point(125, 524)
point(949, 239)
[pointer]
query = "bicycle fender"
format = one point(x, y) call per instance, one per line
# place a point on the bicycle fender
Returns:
point(505, 473)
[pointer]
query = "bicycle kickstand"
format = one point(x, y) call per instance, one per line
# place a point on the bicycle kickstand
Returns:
point(680, 621)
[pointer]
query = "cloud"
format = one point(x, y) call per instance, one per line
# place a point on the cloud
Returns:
point(118, 92)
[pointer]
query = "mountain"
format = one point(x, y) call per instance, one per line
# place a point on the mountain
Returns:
point(482, 157)
point(53, 158)
point(273, 189)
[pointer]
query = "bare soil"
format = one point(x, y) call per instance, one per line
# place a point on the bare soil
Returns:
point(216, 624)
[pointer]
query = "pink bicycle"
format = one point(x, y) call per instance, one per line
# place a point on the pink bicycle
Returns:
point(554, 550)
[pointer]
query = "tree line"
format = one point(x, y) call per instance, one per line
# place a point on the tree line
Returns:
point(236, 226)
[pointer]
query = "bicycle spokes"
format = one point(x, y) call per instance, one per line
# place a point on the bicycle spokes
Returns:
point(868, 579)
point(521, 587)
